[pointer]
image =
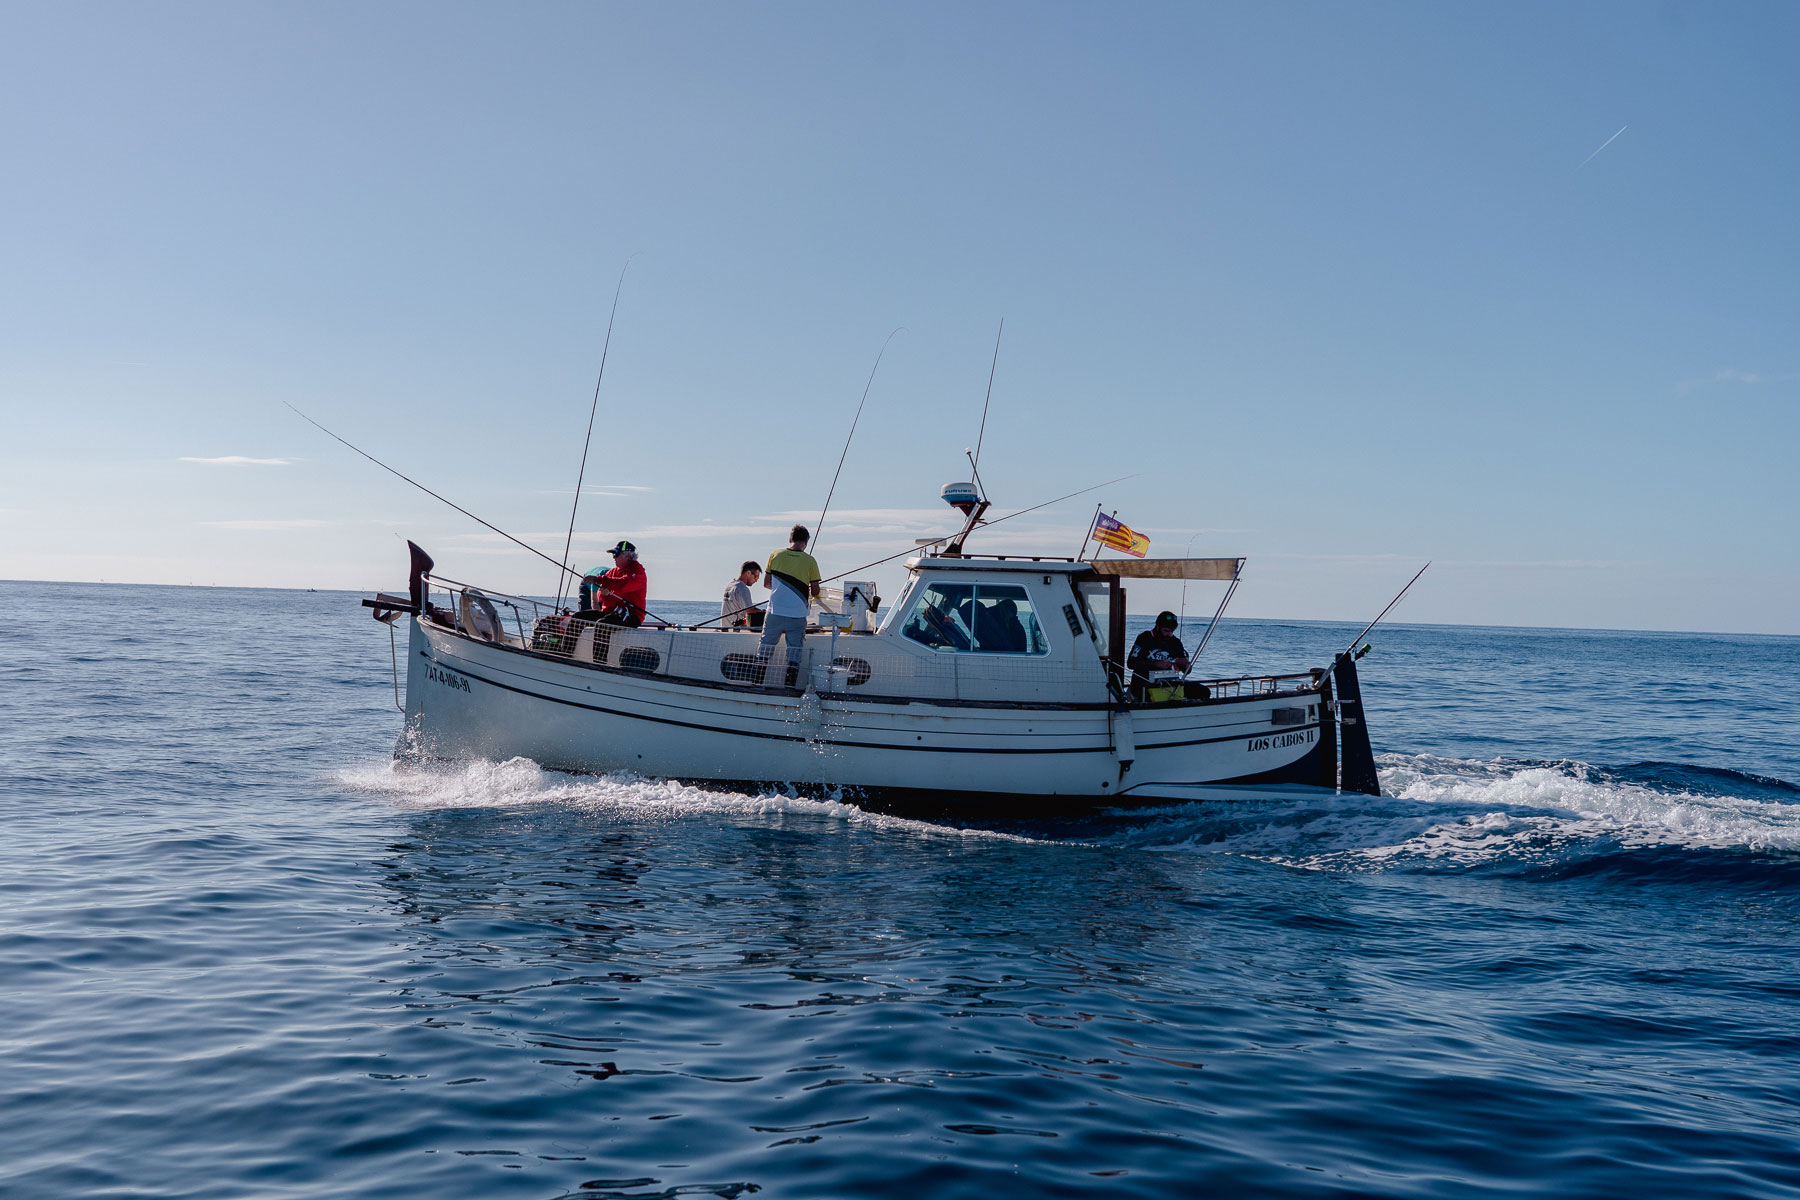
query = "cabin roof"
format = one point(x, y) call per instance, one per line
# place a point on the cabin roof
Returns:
point(1224, 569)
point(1023, 564)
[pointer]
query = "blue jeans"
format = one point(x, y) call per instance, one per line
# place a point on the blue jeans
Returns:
point(774, 629)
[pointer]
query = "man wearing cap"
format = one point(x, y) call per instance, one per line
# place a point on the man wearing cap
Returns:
point(616, 597)
point(1156, 649)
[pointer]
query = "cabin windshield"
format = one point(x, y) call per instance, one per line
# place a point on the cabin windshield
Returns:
point(1097, 599)
point(981, 618)
point(899, 605)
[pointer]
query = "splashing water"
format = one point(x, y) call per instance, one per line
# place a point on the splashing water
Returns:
point(518, 782)
point(1436, 813)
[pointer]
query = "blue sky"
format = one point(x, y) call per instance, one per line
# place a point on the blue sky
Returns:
point(1339, 284)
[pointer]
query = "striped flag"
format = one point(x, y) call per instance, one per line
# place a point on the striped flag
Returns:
point(1120, 537)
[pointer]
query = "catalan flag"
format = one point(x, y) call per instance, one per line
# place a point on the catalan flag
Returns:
point(1122, 538)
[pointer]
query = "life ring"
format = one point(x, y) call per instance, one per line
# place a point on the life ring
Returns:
point(480, 619)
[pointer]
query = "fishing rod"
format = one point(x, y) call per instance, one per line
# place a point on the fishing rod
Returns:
point(1384, 612)
point(459, 508)
point(1181, 620)
point(453, 504)
point(594, 408)
point(840, 467)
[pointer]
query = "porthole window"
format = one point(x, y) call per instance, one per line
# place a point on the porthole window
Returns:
point(858, 668)
point(639, 658)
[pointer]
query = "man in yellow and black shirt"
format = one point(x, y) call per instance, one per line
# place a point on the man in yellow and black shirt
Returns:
point(793, 578)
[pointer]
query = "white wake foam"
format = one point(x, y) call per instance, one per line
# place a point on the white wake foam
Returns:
point(1633, 813)
point(1436, 811)
point(1471, 813)
point(1461, 813)
point(520, 782)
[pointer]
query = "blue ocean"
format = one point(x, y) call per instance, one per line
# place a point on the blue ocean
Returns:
point(243, 953)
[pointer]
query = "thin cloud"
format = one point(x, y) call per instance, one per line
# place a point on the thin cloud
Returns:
point(589, 539)
point(1730, 375)
point(704, 530)
point(1376, 558)
point(597, 489)
point(1603, 145)
point(910, 521)
point(237, 460)
point(1555, 564)
point(267, 526)
point(1170, 533)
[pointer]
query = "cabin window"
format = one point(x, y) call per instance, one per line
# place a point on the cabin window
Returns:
point(982, 618)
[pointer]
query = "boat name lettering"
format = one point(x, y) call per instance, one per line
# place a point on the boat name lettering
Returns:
point(1276, 741)
point(447, 678)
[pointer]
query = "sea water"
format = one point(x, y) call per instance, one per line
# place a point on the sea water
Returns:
point(244, 953)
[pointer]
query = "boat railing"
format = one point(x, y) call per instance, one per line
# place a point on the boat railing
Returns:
point(1258, 685)
point(527, 610)
point(524, 611)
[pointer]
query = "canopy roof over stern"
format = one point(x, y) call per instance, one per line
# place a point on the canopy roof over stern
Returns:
point(1225, 569)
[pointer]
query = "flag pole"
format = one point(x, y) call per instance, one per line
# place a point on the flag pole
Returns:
point(1100, 546)
point(1092, 521)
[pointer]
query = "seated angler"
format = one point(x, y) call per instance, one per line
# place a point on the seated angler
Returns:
point(1156, 650)
point(616, 597)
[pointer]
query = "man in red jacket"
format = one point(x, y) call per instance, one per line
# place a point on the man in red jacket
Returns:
point(617, 596)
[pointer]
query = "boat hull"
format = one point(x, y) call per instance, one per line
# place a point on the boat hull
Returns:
point(470, 698)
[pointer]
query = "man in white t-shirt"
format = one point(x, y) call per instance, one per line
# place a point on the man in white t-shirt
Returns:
point(793, 581)
point(739, 604)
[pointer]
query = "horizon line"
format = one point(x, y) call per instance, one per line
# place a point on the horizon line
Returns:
point(245, 587)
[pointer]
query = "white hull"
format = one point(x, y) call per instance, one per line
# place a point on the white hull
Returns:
point(466, 697)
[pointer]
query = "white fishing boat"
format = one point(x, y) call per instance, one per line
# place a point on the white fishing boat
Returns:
point(991, 682)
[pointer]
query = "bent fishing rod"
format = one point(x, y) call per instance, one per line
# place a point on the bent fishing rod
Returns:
point(442, 500)
point(589, 441)
point(820, 526)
